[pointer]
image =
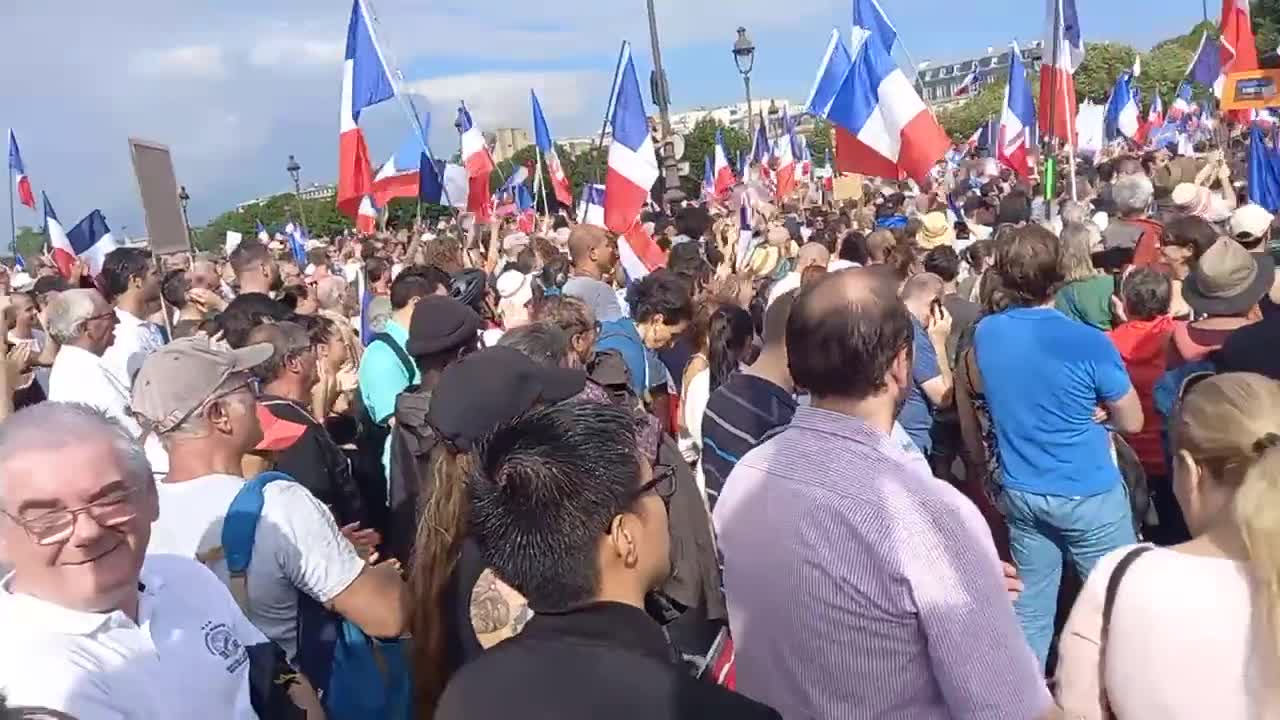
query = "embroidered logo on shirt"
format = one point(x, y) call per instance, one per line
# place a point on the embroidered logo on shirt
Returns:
point(223, 643)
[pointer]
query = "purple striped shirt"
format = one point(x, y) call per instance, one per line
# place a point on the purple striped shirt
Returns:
point(859, 587)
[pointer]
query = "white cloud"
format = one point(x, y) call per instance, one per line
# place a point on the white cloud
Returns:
point(501, 99)
point(295, 53)
point(201, 61)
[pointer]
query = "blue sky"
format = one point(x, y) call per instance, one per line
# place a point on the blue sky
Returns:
point(235, 86)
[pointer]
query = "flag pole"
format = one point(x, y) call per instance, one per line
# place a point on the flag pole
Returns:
point(542, 184)
point(608, 109)
point(13, 227)
point(1047, 141)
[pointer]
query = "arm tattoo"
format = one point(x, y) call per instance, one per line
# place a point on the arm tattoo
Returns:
point(490, 611)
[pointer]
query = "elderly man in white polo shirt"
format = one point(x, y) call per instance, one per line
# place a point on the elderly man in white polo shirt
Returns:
point(89, 627)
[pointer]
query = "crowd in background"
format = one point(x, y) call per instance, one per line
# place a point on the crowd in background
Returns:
point(888, 456)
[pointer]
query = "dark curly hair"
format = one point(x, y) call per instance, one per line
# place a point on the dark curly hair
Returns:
point(1028, 266)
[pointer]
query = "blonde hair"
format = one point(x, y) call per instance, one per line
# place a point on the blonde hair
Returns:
point(1230, 424)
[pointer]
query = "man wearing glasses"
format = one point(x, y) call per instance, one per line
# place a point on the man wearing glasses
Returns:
point(565, 508)
point(89, 628)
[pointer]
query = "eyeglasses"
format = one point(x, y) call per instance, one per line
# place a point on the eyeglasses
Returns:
point(663, 484)
point(57, 526)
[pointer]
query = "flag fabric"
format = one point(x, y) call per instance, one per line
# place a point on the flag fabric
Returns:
point(297, 239)
point(398, 177)
point(1137, 64)
point(90, 240)
point(969, 85)
point(784, 153)
point(708, 180)
point(1206, 64)
point(1057, 84)
point(365, 82)
point(1264, 171)
point(742, 166)
point(831, 73)
point(475, 151)
point(542, 136)
point(1239, 53)
point(1155, 115)
point(1123, 116)
point(1017, 119)
point(591, 206)
point(760, 143)
point(868, 14)
point(263, 236)
point(367, 218)
point(19, 264)
point(638, 253)
point(443, 183)
point(1181, 101)
point(883, 128)
point(724, 179)
point(633, 164)
point(19, 173)
point(64, 256)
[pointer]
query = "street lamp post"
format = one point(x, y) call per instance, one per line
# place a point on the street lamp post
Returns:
point(295, 172)
point(183, 198)
point(670, 169)
point(744, 54)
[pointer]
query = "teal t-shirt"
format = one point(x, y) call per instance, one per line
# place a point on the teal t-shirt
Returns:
point(383, 377)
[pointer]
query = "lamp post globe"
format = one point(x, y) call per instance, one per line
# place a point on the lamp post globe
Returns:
point(744, 55)
point(295, 172)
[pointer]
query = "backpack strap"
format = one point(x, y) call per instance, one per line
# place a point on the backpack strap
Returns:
point(239, 529)
point(1109, 606)
point(409, 367)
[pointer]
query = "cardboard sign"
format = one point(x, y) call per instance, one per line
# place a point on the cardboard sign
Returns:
point(847, 187)
point(1251, 90)
point(233, 241)
point(153, 167)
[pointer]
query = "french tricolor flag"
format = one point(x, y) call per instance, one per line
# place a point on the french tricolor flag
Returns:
point(883, 128)
point(367, 217)
point(784, 154)
point(723, 171)
point(365, 82)
point(19, 173)
point(399, 175)
point(542, 137)
point(708, 180)
point(1181, 104)
point(1018, 120)
point(1057, 81)
point(478, 161)
point(633, 165)
point(64, 256)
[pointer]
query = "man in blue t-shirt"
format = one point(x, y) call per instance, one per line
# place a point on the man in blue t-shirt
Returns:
point(1048, 380)
point(931, 386)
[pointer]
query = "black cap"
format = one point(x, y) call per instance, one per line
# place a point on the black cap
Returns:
point(440, 323)
point(493, 386)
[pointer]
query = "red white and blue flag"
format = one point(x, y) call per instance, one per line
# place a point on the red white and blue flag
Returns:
point(1181, 104)
point(400, 175)
point(90, 240)
point(478, 161)
point(1239, 52)
point(19, 173)
point(883, 128)
point(835, 65)
point(365, 83)
point(633, 164)
point(969, 85)
point(1155, 115)
point(542, 137)
point(723, 171)
point(64, 256)
point(367, 217)
point(1017, 120)
point(784, 153)
point(1057, 81)
point(708, 179)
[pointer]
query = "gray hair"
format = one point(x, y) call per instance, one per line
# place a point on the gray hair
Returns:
point(1074, 211)
point(331, 292)
point(1075, 260)
point(544, 343)
point(1132, 194)
point(53, 426)
point(68, 312)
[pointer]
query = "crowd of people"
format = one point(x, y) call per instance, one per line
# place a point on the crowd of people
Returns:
point(884, 458)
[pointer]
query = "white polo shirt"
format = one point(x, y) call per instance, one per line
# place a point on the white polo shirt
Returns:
point(297, 546)
point(185, 657)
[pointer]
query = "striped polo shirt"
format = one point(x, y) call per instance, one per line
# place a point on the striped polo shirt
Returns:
point(742, 413)
point(859, 586)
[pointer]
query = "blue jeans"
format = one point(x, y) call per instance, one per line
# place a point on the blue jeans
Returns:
point(1043, 528)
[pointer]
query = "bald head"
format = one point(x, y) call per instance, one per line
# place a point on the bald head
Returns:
point(582, 240)
point(331, 292)
point(844, 334)
point(813, 254)
point(923, 287)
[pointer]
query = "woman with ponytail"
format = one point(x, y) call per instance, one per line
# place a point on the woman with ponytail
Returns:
point(1193, 630)
point(460, 607)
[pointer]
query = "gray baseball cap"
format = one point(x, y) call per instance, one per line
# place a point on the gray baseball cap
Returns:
point(180, 377)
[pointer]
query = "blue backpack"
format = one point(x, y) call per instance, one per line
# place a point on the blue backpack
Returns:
point(355, 675)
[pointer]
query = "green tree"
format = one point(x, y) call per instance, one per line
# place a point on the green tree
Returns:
point(1266, 25)
point(30, 242)
point(820, 142)
point(960, 121)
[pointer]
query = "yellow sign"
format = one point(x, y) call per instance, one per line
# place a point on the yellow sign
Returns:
point(847, 187)
point(1251, 90)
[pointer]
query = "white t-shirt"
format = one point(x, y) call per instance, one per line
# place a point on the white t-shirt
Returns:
point(789, 282)
point(186, 657)
point(1186, 642)
point(297, 546)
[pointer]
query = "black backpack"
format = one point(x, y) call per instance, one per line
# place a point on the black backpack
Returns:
point(371, 440)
